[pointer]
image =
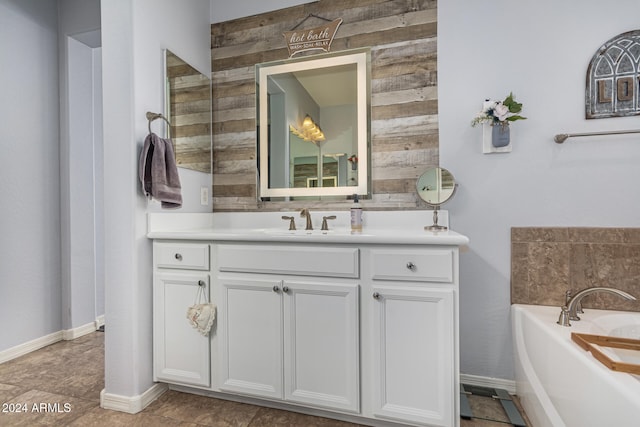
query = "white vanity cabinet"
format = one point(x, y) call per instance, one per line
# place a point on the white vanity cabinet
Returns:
point(289, 337)
point(360, 327)
point(414, 334)
point(181, 355)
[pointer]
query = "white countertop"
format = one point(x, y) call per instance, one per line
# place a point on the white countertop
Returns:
point(379, 228)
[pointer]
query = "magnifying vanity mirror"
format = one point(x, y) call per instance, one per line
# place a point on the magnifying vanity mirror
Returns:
point(313, 125)
point(435, 186)
point(188, 109)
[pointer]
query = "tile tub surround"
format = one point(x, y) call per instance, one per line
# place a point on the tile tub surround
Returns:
point(547, 261)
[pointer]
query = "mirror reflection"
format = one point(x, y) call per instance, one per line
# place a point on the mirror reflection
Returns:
point(435, 186)
point(188, 109)
point(313, 118)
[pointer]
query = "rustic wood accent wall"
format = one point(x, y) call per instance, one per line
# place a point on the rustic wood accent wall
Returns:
point(189, 114)
point(404, 102)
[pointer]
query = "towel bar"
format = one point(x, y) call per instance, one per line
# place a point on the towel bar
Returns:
point(152, 116)
point(562, 137)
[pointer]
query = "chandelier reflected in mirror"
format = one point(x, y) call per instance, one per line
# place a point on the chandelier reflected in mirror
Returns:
point(310, 131)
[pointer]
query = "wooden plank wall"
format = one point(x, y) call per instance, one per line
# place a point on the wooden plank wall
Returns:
point(404, 102)
point(189, 114)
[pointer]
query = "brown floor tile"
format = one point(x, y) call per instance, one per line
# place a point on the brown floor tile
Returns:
point(487, 408)
point(474, 422)
point(99, 417)
point(8, 392)
point(39, 408)
point(202, 410)
point(72, 373)
point(267, 417)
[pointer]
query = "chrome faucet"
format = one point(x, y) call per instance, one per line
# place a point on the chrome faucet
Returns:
point(570, 312)
point(325, 226)
point(306, 213)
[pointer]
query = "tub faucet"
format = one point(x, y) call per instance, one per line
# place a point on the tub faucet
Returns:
point(570, 312)
point(306, 213)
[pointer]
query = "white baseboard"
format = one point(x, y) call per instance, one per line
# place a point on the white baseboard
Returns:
point(99, 322)
point(508, 385)
point(133, 404)
point(72, 334)
point(38, 343)
point(28, 347)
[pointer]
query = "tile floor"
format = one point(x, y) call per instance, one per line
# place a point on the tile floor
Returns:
point(69, 375)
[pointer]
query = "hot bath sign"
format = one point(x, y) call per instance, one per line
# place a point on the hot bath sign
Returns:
point(318, 38)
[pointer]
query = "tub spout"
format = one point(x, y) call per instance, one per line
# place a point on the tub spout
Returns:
point(574, 303)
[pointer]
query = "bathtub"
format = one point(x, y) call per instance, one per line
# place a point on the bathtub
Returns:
point(562, 385)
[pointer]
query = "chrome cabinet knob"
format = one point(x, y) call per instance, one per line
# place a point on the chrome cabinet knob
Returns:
point(178, 256)
point(276, 288)
point(201, 283)
point(376, 295)
point(285, 289)
point(411, 266)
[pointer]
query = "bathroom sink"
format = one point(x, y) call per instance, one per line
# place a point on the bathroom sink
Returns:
point(279, 232)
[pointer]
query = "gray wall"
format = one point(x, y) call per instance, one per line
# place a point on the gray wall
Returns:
point(134, 33)
point(30, 277)
point(80, 162)
point(540, 51)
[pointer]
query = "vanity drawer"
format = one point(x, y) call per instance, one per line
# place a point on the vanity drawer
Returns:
point(433, 265)
point(188, 256)
point(290, 260)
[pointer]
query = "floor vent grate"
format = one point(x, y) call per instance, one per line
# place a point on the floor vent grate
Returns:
point(493, 404)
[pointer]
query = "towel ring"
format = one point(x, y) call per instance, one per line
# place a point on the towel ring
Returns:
point(152, 116)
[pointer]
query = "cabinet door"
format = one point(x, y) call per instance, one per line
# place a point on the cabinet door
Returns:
point(414, 355)
point(321, 353)
point(180, 352)
point(251, 336)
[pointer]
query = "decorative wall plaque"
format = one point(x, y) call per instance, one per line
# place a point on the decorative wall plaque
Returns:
point(613, 78)
point(312, 38)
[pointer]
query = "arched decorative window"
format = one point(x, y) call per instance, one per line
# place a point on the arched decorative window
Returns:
point(613, 78)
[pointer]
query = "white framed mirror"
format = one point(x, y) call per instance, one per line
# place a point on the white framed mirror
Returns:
point(313, 117)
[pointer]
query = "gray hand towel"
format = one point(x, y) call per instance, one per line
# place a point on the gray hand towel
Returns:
point(159, 172)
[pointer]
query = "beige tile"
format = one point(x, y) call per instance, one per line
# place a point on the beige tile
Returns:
point(8, 392)
point(72, 373)
point(474, 422)
point(45, 409)
point(598, 235)
point(540, 234)
point(487, 408)
point(267, 417)
point(99, 417)
point(548, 266)
point(202, 410)
point(609, 265)
point(548, 261)
point(519, 273)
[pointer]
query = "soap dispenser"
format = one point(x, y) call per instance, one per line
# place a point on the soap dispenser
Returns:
point(356, 215)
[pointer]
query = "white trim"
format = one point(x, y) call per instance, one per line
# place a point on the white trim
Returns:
point(38, 343)
point(133, 404)
point(508, 385)
point(72, 334)
point(28, 347)
point(99, 322)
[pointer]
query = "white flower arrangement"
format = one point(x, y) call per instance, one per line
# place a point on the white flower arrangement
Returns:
point(500, 112)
